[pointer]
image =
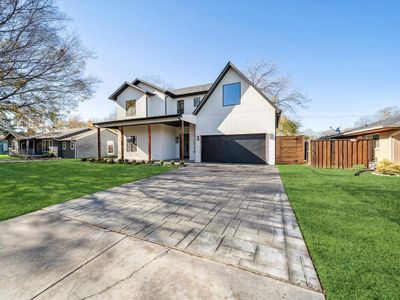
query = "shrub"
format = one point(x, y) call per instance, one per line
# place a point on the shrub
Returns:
point(134, 162)
point(84, 159)
point(161, 162)
point(387, 167)
point(120, 161)
point(126, 161)
point(358, 167)
point(110, 160)
point(182, 163)
point(143, 162)
point(172, 163)
point(92, 159)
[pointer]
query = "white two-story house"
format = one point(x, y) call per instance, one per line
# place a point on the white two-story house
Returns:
point(228, 121)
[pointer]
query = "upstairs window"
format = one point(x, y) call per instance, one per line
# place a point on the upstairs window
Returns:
point(130, 107)
point(196, 101)
point(180, 107)
point(231, 94)
point(131, 144)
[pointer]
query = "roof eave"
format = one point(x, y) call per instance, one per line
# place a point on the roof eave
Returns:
point(218, 80)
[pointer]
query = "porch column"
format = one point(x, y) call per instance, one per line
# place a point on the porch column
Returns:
point(182, 140)
point(33, 147)
point(149, 142)
point(98, 143)
point(27, 147)
point(121, 129)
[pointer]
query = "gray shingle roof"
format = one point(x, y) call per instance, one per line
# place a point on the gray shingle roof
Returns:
point(202, 88)
point(389, 122)
point(58, 134)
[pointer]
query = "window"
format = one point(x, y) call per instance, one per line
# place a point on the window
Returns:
point(72, 145)
point(64, 145)
point(14, 145)
point(130, 108)
point(196, 101)
point(131, 144)
point(180, 107)
point(231, 94)
point(47, 145)
point(375, 137)
point(110, 147)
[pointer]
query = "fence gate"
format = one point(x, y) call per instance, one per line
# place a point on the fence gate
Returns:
point(290, 149)
point(341, 154)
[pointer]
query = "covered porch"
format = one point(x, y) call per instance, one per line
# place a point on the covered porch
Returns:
point(170, 137)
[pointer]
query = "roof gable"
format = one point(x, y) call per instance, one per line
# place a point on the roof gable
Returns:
point(138, 80)
point(218, 80)
point(123, 87)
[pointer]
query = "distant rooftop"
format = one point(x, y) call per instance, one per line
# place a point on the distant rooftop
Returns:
point(202, 88)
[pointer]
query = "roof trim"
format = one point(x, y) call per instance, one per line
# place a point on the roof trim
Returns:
point(15, 135)
point(228, 66)
point(123, 88)
point(85, 134)
point(138, 80)
point(120, 122)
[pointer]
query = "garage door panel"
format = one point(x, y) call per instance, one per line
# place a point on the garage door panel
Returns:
point(234, 148)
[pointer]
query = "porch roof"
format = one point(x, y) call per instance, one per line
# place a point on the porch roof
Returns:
point(172, 120)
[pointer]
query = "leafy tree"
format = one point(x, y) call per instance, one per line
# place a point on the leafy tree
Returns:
point(288, 126)
point(277, 88)
point(41, 64)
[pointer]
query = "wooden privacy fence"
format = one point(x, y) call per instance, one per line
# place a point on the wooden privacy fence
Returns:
point(341, 154)
point(290, 149)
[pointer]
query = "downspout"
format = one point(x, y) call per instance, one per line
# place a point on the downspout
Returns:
point(166, 99)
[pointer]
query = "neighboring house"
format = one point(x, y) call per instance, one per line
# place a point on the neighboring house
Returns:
point(85, 144)
point(229, 120)
point(66, 143)
point(385, 133)
point(13, 141)
point(3, 145)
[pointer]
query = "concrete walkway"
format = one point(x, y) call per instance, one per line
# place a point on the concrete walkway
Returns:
point(204, 231)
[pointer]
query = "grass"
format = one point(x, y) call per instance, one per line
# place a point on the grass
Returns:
point(26, 187)
point(352, 228)
point(8, 157)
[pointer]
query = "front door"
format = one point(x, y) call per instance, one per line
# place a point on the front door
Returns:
point(185, 146)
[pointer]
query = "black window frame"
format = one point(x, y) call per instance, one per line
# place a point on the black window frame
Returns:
point(127, 109)
point(131, 143)
point(196, 99)
point(240, 93)
point(180, 111)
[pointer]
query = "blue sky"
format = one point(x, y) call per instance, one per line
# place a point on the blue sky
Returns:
point(345, 55)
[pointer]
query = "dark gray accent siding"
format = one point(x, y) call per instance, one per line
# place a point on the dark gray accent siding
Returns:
point(68, 152)
point(244, 148)
point(87, 146)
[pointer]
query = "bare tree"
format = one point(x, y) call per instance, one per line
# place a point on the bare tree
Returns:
point(276, 87)
point(382, 114)
point(41, 64)
point(158, 81)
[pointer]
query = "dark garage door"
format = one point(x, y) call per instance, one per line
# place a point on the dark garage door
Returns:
point(243, 148)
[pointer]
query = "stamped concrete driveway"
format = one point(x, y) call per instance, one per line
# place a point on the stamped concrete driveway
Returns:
point(204, 231)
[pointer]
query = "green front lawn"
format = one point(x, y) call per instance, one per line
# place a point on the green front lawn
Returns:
point(352, 228)
point(26, 187)
point(8, 157)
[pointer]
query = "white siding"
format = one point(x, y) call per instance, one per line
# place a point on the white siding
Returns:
point(156, 103)
point(253, 115)
point(162, 142)
point(189, 107)
point(131, 93)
